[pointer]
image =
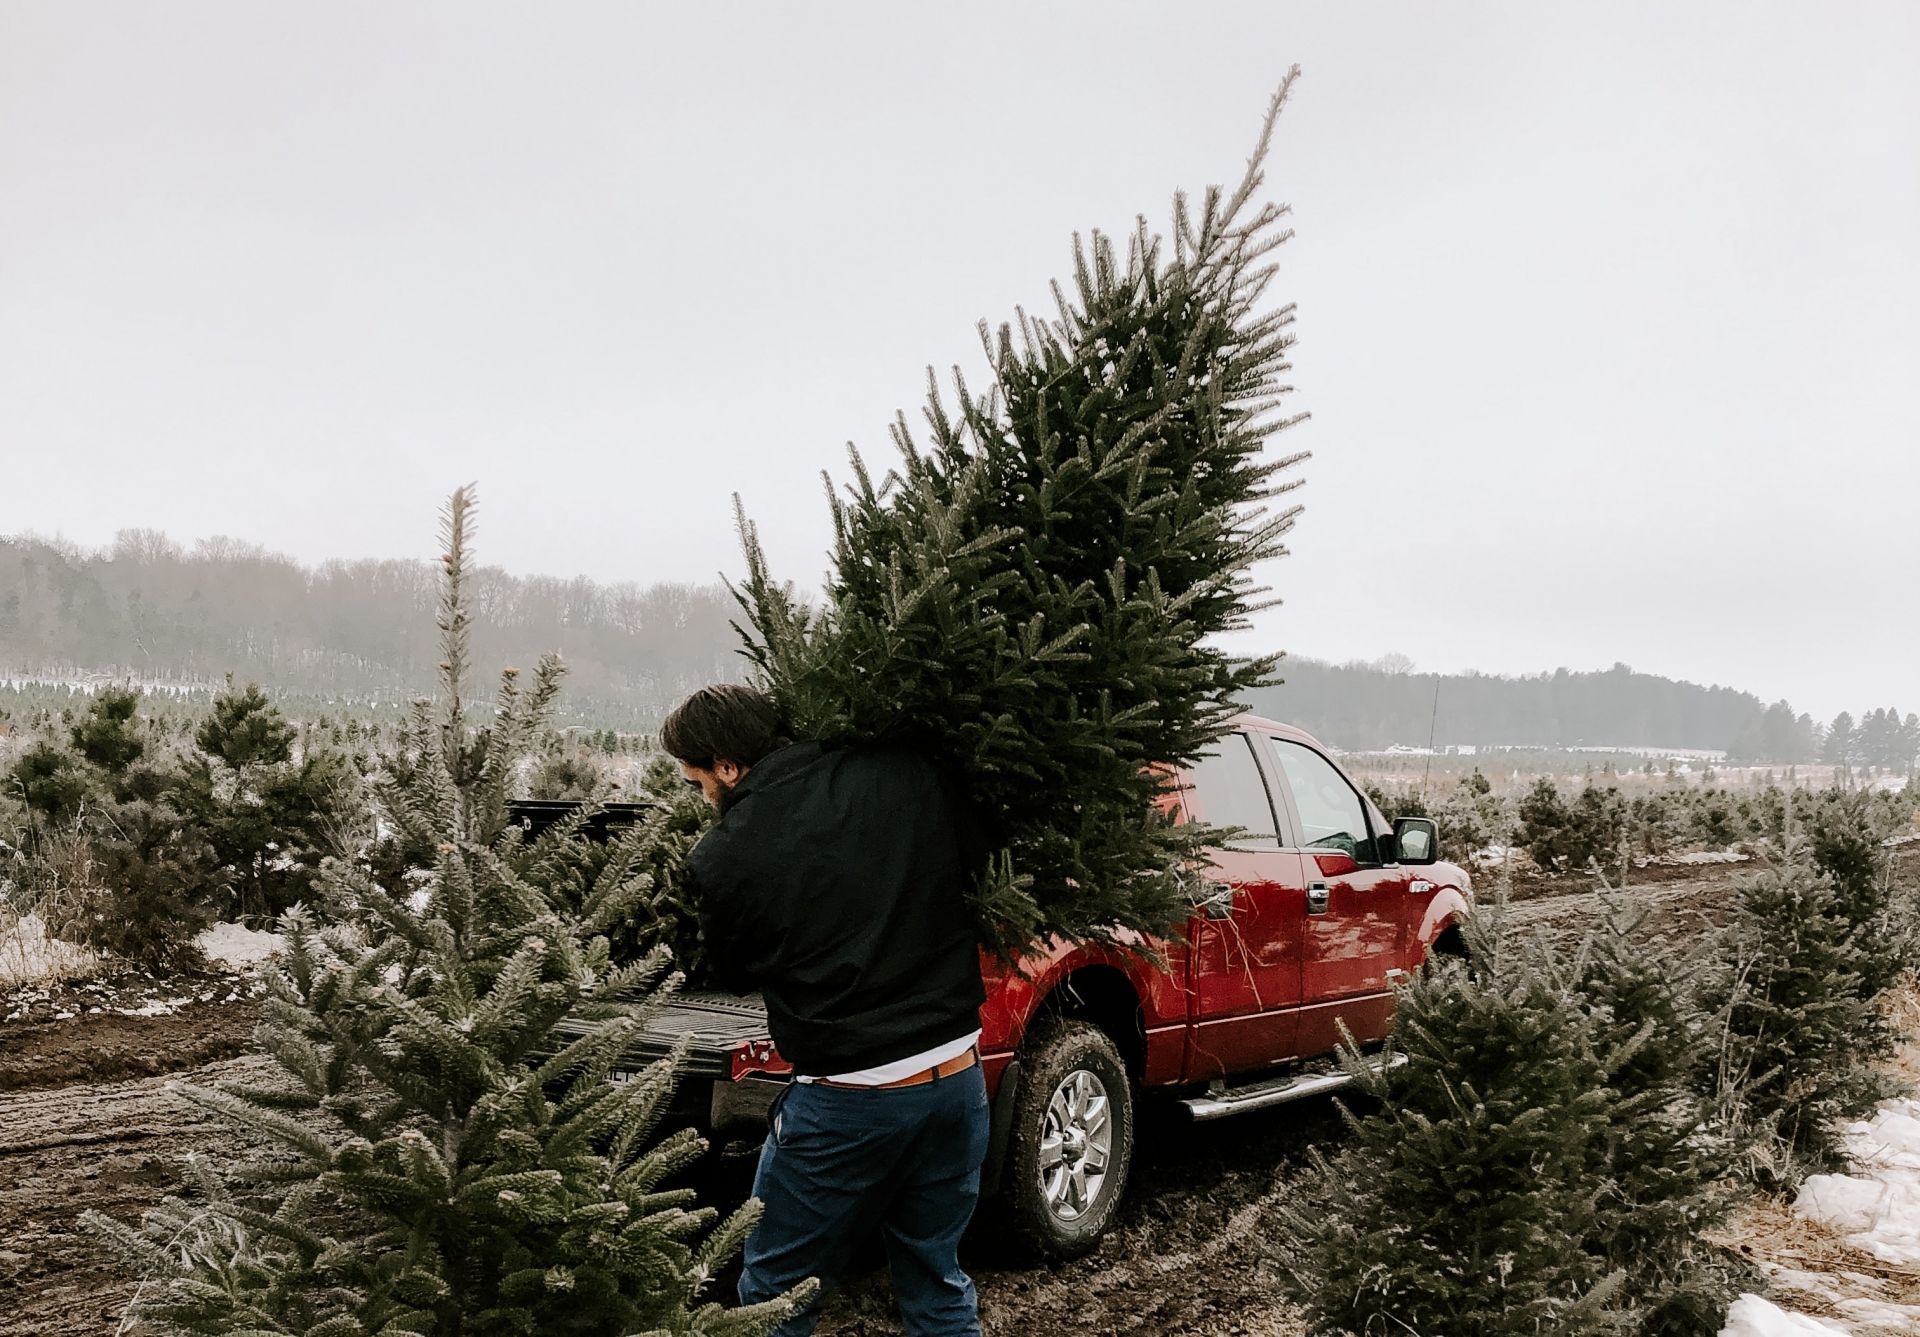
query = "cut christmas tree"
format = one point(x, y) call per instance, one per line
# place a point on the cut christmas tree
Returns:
point(1034, 596)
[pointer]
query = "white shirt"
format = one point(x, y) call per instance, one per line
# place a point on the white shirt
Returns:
point(904, 1067)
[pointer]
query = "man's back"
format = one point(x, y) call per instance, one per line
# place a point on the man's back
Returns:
point(835, 883)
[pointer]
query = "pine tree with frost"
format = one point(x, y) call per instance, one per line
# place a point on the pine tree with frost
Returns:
point(1468, 1202)
point(1034, 596)
point(110, 733)
point(654, 848)
point(1800, 1034)
point(1846, 841)
point(271, 815)
point(438, 1165)
point(1662, 1167)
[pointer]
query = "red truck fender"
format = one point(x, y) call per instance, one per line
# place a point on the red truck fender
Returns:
point(1126, 992)
point(1450, 907)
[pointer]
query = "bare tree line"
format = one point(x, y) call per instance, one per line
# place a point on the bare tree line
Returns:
point(150, 608)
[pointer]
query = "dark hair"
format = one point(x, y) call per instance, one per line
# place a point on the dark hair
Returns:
point(724, 722)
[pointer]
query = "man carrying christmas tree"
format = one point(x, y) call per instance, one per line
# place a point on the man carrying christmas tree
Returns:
point(835, 883)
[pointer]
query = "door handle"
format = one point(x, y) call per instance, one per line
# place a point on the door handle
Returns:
point(1219, 901)
point(1317, 895)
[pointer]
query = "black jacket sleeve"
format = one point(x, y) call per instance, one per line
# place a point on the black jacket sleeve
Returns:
point(725, 932)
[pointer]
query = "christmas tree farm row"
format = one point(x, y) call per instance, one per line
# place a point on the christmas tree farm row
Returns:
point(1571, 1132)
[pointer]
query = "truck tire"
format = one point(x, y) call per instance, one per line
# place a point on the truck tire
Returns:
point(1071, 1140)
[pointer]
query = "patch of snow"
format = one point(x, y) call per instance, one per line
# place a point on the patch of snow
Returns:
point(417, 900)
point(1878, 1207)
point(1880, 1316)
point(153, 1007)
point(1752, 1316)
point(28, 953)
point(236, 946)
point(1693, 857)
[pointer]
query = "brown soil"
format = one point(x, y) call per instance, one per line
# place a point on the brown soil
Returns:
point(107, 1047)
point(115, 1147)
point(1188, 1255)
point(1670, 911)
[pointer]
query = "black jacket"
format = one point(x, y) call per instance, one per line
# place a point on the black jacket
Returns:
point(835, 883)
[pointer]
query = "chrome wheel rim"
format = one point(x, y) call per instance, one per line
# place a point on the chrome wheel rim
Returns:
point(1076, 1145)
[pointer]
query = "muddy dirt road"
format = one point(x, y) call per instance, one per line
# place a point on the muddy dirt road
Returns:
point(82, 1126)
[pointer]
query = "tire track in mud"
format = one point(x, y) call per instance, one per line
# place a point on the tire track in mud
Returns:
point(1674, 912)
point(115, 1147)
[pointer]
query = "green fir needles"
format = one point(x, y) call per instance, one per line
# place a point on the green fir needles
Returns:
point(1035, 595)
point(443, 1157)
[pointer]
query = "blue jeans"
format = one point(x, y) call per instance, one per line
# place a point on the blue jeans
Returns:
point(839, 1163)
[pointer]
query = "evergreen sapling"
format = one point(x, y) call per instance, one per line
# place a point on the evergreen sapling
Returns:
point(1801, 1036)
point(1662, 1167)
point(440, 1161)
point(1846, 841)
point(1463, 1204)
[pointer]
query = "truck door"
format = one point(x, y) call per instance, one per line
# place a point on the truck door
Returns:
point(1354, 916)
point(1246, 958)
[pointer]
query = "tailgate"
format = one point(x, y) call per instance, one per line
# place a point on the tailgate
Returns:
point(714, 1026)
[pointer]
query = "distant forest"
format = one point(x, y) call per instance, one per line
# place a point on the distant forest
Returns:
point(1372, 706)
point(362, 631)
point(357, 631)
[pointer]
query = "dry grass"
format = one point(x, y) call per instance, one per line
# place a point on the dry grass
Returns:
point(1902, 1006)
point(1812, 1268)
point(47, 897)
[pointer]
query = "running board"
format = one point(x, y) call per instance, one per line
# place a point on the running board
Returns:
point(1277, 1091)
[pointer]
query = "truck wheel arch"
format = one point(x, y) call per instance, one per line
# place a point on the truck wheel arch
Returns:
point(1441, 923)
point(1101, 994)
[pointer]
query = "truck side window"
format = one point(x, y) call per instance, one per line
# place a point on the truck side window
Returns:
point(1332, 816)
point(1226, 789)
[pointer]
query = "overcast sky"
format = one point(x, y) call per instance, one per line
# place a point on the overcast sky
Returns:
point(1609, 314)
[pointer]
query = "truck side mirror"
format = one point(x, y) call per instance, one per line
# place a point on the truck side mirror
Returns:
point(1418, 839)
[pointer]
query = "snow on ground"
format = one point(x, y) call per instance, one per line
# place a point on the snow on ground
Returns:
point(236, 946)
point(27, 953)
point(1752, 1316)
point(1878, 1207)
point(1693, 857)
point(1859, 1315)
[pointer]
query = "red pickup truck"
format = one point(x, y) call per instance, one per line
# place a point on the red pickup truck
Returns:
point(1314, 914)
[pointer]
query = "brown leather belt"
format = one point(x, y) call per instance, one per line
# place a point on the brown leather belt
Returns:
point(957, 1064)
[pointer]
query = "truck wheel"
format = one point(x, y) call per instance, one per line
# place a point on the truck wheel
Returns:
point(1071, 1139)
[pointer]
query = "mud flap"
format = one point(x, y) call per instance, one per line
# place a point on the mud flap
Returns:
point(998, 1129)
